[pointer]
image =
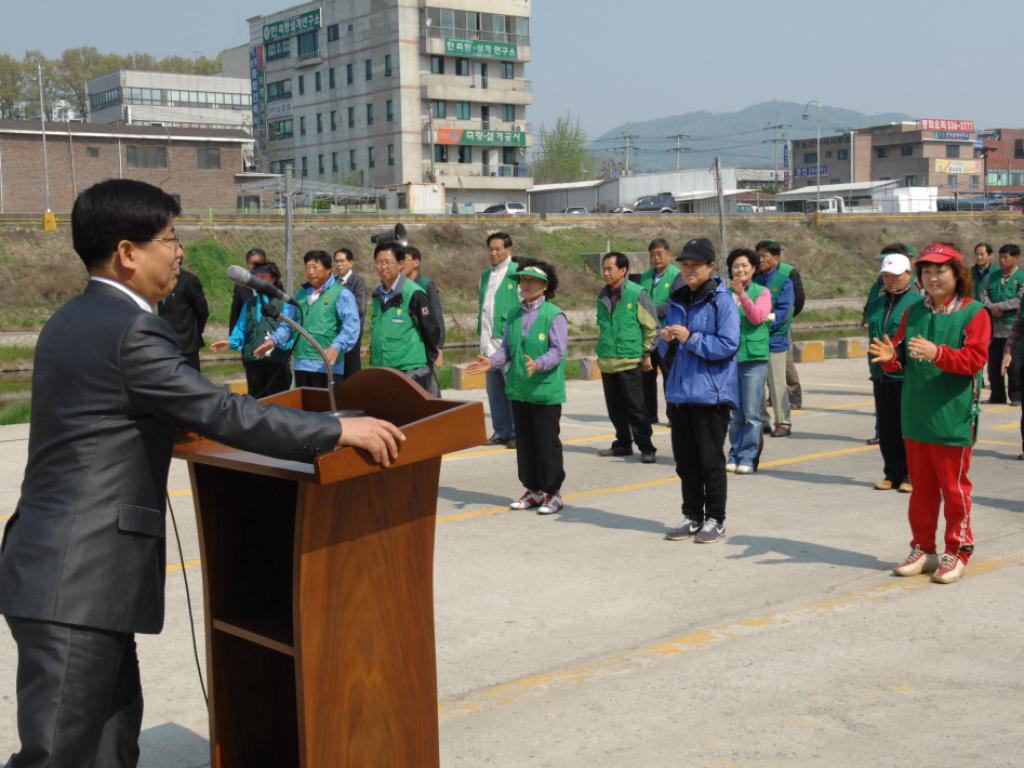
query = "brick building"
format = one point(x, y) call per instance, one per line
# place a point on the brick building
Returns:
point(1004, 160)
point(200, 167)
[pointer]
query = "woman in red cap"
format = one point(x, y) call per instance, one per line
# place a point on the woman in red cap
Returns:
point(942, 345)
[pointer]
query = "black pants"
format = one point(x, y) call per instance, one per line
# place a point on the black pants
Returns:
point(624, 398)
point(890, 429)
point(650, 383)
point(538, 447)
point(79, 696)
point(265, 378)
point(995, 375)
point(316, 380)
point(698, 442)
point(192, 358)
point(353, 360)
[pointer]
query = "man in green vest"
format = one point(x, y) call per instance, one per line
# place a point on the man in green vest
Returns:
point(411, 268)
point(627, 332)
point(328, 312)
point(775, 276)
point(404, 333)
point(1001, 294)
point(499, 296)
point(659, 281)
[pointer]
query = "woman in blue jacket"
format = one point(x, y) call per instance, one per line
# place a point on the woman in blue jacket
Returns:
point(699, 343)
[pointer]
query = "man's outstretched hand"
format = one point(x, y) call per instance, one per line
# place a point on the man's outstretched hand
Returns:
point(377, 437)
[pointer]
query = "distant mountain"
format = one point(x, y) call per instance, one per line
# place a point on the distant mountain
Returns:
point(741, 139)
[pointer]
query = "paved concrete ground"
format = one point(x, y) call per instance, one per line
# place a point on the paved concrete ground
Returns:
point(587, 640)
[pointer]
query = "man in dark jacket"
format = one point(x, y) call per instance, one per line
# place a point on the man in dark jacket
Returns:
point(345, 273)
point(82, 559)
point(186, 311)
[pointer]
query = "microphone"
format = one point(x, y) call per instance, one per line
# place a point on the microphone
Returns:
point(243, 276)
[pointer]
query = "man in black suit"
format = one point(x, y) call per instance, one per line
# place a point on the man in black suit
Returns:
point(241, 294)
point(82, 558)
point(343, 268)
point(186, 311)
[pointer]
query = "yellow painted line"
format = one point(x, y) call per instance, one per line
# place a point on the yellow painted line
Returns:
point(693, 641)
point(176, 567)
point(185, 492)
point(997, 442)
point(1008, 425)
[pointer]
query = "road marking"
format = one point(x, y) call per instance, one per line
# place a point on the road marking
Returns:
point(691, 642)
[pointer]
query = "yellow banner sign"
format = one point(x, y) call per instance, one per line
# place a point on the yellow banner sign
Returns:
point(957, 166)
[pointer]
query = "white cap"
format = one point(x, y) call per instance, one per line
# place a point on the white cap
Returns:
point(895, 263)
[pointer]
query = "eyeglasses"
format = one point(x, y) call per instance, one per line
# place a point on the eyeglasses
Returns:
point(174, 242)
point(385, 263)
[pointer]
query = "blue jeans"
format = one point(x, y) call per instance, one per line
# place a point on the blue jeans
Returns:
point(501, 408)
point(745, 427)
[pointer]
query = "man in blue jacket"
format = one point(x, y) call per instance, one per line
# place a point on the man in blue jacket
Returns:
point(775, 276)
point(699, 344)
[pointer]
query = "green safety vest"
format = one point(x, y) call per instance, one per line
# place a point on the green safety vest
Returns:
point(395, 341)
point(544, 387)
point(320, 320)
point(998, 291)
point(506, 299)
point(939, 407)
point(620, 333)
point(661, 291)
point(879, 326)
point(256, 330)
point(753, 338)
point(775, 285)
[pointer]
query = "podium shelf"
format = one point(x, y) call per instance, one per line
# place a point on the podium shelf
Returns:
point(253, 637)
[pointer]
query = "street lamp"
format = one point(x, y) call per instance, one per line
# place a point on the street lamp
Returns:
point(817, 122)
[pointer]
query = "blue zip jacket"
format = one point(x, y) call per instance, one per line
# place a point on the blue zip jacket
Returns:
point(704, 368)
point(781, 307)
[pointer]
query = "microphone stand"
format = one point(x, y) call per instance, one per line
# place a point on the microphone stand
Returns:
point(271, 311)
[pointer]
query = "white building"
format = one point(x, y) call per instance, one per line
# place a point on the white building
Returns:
point(387, 93)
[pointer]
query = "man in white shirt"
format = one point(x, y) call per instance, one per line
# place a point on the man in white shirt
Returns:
point(498, 297)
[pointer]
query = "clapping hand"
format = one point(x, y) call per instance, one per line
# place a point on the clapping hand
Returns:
point(882, 351)
point(482, 365)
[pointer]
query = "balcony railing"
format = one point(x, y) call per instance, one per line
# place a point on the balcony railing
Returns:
point(478, 125)
point(440, 33)
point(477, 170)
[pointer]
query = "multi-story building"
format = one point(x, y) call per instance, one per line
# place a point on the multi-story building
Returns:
point(384, 93)
point(175, 101)
point(1003, 160)
point(845, 157)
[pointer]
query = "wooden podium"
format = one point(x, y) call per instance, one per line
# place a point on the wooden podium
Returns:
point(318, 582)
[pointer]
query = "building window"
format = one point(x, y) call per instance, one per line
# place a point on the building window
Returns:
point(319, 122)
point(334, 162)
point(320, 164)
point(842, 154)
point(302, 85)
point(391, 154)
point(351, 159)
point(208, 158)
point(369, 114)
point(953, 151)
point(332, 35)
point(907, 150)
point(440, 109)
point(282, 129)
point(510, 113)
point(307, 44)
point(348, 74)
point(836, 181)
point(465, 154)
point(92, 151)
point(368, 66)
point(302, 126)
point(351, 117)
point(828, 154)
point(437, 65)
point(282, 89)
point(975, 181)
point(508, 70)
point(440, 153)
point(951, 180)
point(1018, 149)
point(334, 120)
point(317, 84)
point(305, 166)
point(146, 157)
point(508, 155)
point(387, 65)
point(330, 78)
point(462, 110)
point(369, 158)
point(389, 111)
point(882, 152)
point(910, 181)
point(279, 49)
point(462, 67)
point(810, 157)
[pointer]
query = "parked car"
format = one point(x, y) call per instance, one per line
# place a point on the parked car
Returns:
point(745, 208)
point(661, 203)
point(576, 210)
point(505, 209)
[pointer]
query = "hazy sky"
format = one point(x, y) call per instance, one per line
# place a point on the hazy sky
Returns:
point(609, 62)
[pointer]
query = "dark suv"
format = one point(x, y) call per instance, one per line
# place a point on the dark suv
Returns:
point(662, 203)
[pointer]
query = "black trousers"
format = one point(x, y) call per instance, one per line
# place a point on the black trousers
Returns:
point(265, 378)
point(79, 696)
point(650, 384)
point(538, 447)
point(192, 358)
point(1011, 385)
point(353, 360)
point(890, 429)
point(624, 398)
point(698, 442)
point(314, 379)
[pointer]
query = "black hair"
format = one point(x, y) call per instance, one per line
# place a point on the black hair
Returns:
point(735, 253)
point(1011, 248)
point(273, 269)
point(895, 248)
point(413, 252)
point(621, 259)
point(547, 269)
point(256, 252)
point(659, 242)
point(320, 256)
point(986, 246)
point(348, 253)
point(503, 236)
point(116, 210)
point(768, 245)
point(960, 271)
point(395, 248)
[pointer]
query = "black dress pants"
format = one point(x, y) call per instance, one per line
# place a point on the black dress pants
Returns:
point(538, 447)
point(79, 696)
point(265, 378)
point(650, 381)
point(1000, 388)
point(353, 360)
point(624, 398)
point(890, 429)
point(698, 442)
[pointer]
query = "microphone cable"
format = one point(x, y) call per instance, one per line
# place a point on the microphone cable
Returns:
point(188, 602)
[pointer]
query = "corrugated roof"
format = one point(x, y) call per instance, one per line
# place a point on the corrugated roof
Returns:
point(567, 185)
point(831, 189)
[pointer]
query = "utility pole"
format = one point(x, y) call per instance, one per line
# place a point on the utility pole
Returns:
point(679, 149)
point(721, 204)
point(42, 122)
point(288, 227)
point(628, 139)
point(776, 140)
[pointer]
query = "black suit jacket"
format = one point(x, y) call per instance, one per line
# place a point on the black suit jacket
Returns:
point(357, 285)
point(187, 312)
point(85, 545)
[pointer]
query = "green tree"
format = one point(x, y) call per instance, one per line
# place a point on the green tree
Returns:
point(11, 94)
point(78, 65)
point(30, 84)
point(563, 153)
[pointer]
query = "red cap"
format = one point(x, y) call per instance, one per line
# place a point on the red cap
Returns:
point(937, 253)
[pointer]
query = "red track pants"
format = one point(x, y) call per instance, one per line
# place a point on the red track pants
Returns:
point(939, 474)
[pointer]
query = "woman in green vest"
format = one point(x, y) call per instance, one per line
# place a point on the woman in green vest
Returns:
point(533, 350)
point(884, 311)
point(268, 374)
point(1001, 293)
point(754, 304)
point(941, 346)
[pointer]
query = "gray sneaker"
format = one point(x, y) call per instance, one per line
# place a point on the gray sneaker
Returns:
point(685, 530)
point(711, 531)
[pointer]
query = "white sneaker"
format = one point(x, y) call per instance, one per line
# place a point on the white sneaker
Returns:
point(730, 467)
point(744, 469)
